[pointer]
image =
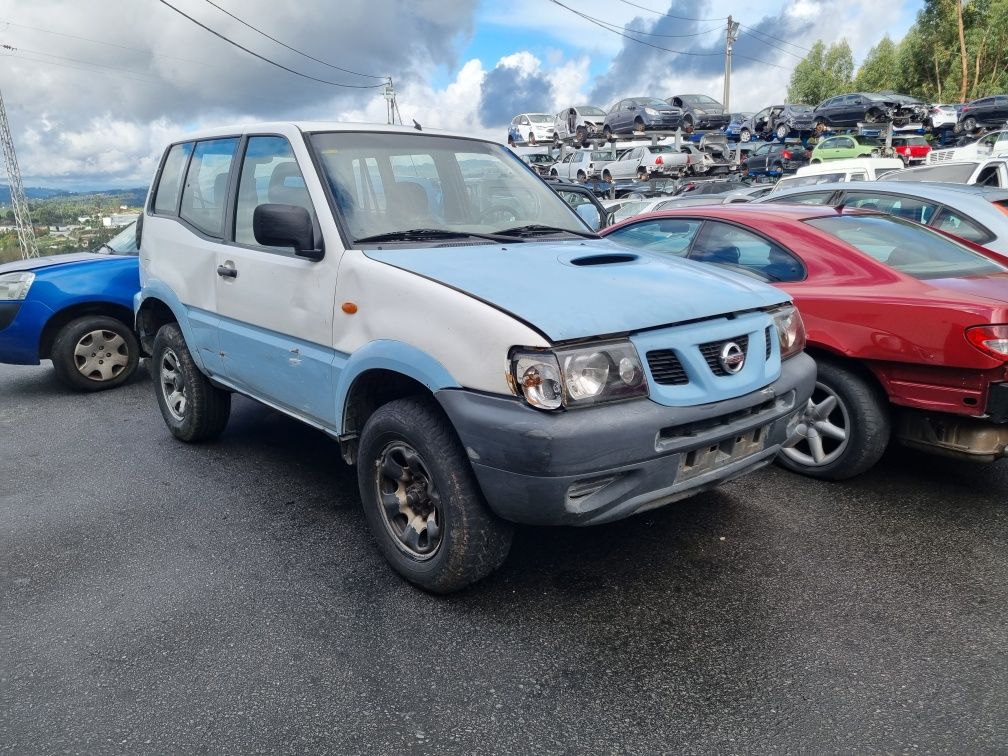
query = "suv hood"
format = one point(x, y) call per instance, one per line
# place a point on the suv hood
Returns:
point(35, 263)
point(542, 284)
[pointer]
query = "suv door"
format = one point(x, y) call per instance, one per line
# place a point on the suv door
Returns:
point(276, 308)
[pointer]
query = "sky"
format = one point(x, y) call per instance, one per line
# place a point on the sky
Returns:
point(95, 89)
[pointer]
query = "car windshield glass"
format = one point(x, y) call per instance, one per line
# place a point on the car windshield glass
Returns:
point(872, 141)
point(588, 110)
point(540, 118)
point(800, 108)
point(703, 100)
point(385, 183)
point(907, 247)
point(123, 243)
point(956, 173)
point(820, 178)
point(603, 155)
point(541, 159)
point(652, 103)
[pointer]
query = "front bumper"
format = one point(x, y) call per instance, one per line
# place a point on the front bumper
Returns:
point(21, 325)
point(710, 122)
point(671, 122)
point(588, 466)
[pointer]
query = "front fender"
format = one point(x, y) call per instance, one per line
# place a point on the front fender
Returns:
point(396, 356)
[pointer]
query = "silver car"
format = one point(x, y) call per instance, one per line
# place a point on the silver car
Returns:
point(578, 121)
point(975, 213)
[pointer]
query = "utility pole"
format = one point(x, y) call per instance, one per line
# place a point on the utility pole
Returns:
point(391, 106)
point(731, 34)
point(22, 215)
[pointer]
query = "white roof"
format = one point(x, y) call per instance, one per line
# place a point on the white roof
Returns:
point(838, 166)
point(293, 128)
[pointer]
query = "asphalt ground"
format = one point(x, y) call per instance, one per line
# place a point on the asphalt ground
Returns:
point(228, 598)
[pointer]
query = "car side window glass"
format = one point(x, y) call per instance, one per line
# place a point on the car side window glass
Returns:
point(269, 175)
point(166, 195)
point(953, 223)
point(204, 195)
point(812, 198)
point(730, 245)
point(667, 235)
point(893, 204)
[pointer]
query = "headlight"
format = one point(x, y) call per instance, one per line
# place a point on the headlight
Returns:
point(14, 286)
point(790, 330)
point(579, 376)
point(651, 111)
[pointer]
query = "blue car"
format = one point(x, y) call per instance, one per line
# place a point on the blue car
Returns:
point(76, 310)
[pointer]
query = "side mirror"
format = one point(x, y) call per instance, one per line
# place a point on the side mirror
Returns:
point(276, 225)
point(590, 215)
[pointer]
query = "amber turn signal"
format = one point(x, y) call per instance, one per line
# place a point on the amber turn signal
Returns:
point(349, 308)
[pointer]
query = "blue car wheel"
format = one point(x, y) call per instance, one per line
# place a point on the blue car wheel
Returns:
point(95, 353)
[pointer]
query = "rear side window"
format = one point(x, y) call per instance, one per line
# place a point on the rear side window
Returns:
point(893, 204)
point(166, 195)
point(956, 173)
point(205, 193)
point(907, 247)
point(953, 223)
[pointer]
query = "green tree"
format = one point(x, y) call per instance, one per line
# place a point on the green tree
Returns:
point(823, 73)
point(879, 72)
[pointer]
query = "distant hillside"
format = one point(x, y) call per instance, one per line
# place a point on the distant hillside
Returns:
point(129, 196)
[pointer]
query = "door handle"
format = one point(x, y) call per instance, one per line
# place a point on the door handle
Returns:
point(227, 270)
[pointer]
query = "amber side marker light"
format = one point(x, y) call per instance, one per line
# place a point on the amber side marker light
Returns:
point(349, 308)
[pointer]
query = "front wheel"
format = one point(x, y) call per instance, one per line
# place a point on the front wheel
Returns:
point(192, 407)
point(422, 501)
point(745, 135)
point(782, 132)
point(607, 133)
point(582, 176)
point(642, 174)
point(845, 428)
point(607, 177)
point(95, 353)
point(970, 124)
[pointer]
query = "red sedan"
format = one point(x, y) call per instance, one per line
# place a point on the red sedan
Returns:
point(913, 149)
point(909, 327)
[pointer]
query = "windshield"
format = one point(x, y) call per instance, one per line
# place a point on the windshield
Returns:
point(907, 247)
point(955, 173)
point(700, 100)
point(800, 108)
point(123, 243)
point(816, 178)
point(540, 118)
point(385, 183)
point(541, 159)
point(652, 103)
point(589, 110)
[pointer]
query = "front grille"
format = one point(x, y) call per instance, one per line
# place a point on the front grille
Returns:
point(666, 369)
point(711, 352)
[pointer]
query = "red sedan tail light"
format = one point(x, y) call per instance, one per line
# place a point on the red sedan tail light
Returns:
point(991, 340)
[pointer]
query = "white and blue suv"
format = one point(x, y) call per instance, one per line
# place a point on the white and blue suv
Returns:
point(480, 354)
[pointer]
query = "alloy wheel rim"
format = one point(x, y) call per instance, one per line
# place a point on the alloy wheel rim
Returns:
point(823, 433)
point(101, 355)
point(173, 386)
point(409, 501)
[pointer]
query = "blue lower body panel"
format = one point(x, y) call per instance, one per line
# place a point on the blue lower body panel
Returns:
point(19, 341)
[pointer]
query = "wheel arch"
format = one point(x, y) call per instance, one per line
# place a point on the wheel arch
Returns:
point(61, 318)
point(152, 314)
point(824, 352)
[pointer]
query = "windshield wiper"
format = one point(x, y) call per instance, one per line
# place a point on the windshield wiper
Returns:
point(428, 234)
point(536, 229)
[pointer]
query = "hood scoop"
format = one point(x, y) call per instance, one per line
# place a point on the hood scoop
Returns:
point(612, 258)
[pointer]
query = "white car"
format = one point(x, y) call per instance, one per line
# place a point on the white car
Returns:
point(994, 144)
point(579, 121)
point(645, 162)
point(581, 165)
point(943, 117)
point(851, 169)
point(475, 349)
point(987, 172)
point(531, 128)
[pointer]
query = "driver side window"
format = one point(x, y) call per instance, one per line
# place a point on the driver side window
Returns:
point(668, 235)
point(730, 245)
point(269, 174)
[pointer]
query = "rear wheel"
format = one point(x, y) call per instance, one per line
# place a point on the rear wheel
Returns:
point(845, 428)
point(582, 176)
point(782, 132)
point(969, 124)
point(873, 116)
point(531, 138)
point(422, 501)
point(638, 125)
point(642, 174)
point(95, 353)
point(606, 176)
point(192, 407)
point(819, 126)
point(607, 133)
point(687, 123)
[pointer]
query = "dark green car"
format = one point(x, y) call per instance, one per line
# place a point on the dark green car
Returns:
point(848, 146)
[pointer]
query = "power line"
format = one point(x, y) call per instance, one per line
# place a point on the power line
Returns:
point(669, 15)
point(75, 60)
point(19, 53)
point(771, 36)
point(658, 47)
point(107, 44)
point(292, 49)
point(264, 58)
point(636, 31)
point(776, 47)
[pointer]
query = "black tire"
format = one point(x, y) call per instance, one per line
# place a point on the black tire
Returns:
point(553, 173)
point(745, 135)
point(873, 116)
point(638, 125)
point(581, 136)
point(777, 168)
point(864, 408)
point(511, 141)
point(642, 174)
point(582, 176)
point(819, 126)
point(969, 124)
point(95, 353)
point(205, 409)
point(607, 177)
point(531, 137)
point(687, 123)
point(472, 541)
point(782, 132)
point(607, 133)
